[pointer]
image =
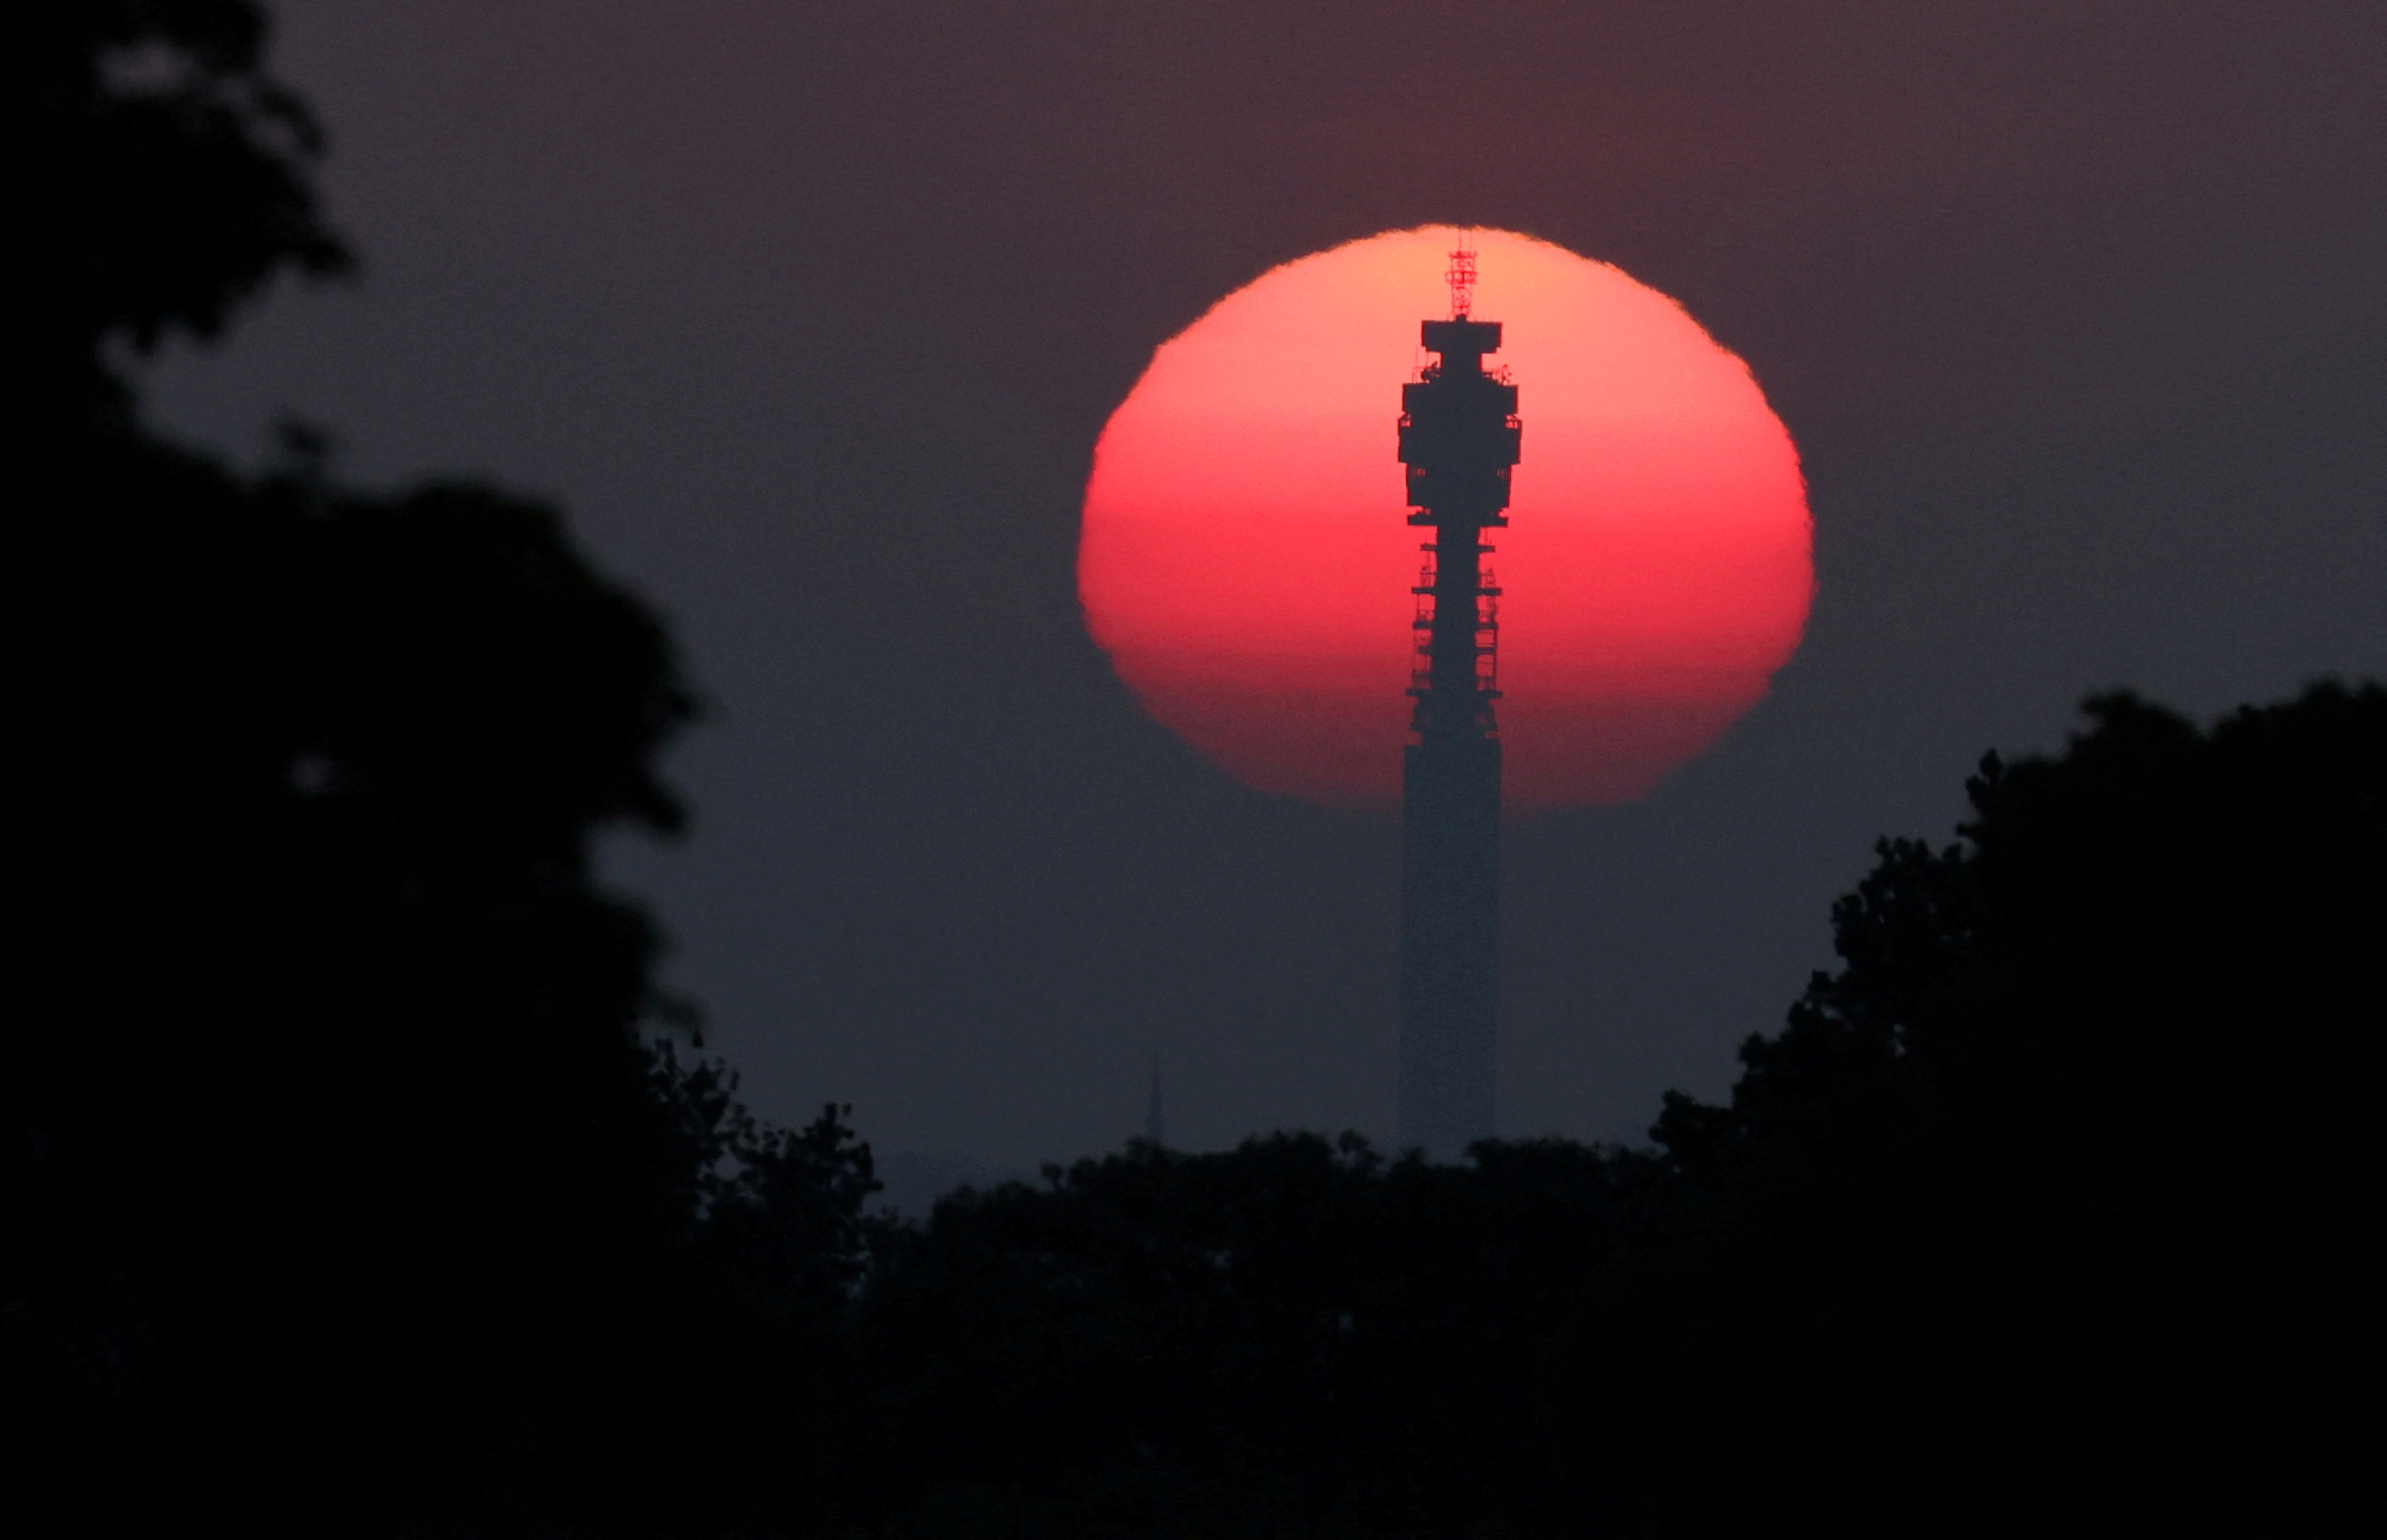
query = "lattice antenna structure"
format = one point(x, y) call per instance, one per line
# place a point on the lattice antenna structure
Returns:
point(1459, 437)
point(1461, 276)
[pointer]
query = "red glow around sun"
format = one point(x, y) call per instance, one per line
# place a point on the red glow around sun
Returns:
point(1246, 563)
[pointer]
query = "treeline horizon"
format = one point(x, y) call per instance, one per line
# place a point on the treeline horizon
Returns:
point(362, 1180)
point(1933, 1268)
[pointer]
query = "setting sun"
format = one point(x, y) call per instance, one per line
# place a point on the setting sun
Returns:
point(1246, 563)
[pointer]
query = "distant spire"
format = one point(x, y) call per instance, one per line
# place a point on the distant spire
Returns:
point(1154, 1127)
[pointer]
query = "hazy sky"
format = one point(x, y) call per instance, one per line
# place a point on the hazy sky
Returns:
point(811, 314)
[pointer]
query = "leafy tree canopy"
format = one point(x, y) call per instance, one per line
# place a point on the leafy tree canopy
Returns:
point(2054, 1207)
point(167, 183)
point(338, 1197)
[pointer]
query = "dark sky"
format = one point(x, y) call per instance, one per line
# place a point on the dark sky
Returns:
point(812, 314)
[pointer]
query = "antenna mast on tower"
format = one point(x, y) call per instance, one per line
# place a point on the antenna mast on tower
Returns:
point(1461, 275)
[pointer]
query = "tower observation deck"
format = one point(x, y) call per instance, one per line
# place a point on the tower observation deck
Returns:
point(1458, 436)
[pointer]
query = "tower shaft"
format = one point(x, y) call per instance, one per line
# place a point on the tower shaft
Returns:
point(1458, 436)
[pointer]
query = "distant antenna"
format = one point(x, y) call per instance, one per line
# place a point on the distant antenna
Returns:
point(1462, 277)
point(1153, 1128)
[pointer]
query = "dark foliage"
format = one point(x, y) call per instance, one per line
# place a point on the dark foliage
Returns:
point(337, 1195)
point(2056, 1209)
point(782, 1211)
point(1291, 1338)
point(165, 183)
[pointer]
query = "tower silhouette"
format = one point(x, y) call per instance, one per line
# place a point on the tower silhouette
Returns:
point(1458, 436)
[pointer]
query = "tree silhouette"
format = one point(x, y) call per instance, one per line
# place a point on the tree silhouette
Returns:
point(785, 1211)
point(168, 183)
point(2049, 1209)
point(1293, 1337)
point(338, 1196)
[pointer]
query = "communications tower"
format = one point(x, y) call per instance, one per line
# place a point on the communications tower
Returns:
point(1458, 436)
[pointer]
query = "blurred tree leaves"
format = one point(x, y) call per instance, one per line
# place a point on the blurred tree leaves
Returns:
point(338, 1196)
point(166, 184)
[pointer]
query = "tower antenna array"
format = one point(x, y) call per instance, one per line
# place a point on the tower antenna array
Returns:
point(1461, 276)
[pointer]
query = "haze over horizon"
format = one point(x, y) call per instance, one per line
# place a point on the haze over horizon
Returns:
point(812, 318)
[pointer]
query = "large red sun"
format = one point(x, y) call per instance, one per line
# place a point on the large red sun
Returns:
point(1248, 564)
